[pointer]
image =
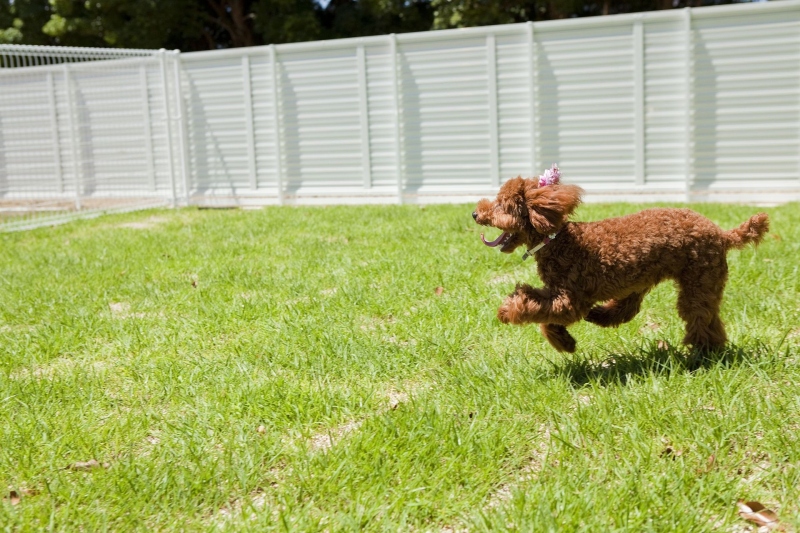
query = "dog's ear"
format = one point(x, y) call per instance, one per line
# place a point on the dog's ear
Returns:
point(511, 201)
point(549, 206)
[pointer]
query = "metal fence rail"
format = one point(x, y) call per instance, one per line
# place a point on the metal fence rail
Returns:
point(699, 103)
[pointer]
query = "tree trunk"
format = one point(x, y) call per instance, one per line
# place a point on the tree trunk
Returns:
point(234, 17)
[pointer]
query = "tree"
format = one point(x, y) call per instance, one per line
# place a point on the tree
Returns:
point(287, 21)
point(184, 24)
point(467, 13)
point(210, 24)
point(124, 23)
point(21, 21)
point(230, 20)
point(356, 18)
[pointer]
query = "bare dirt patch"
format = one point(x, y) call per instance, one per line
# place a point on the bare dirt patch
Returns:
point(324, 440)
point(375, 323)
point(396, 398)
point(23, 328)
point(258, 500)
point(57, 367)
point(502, 279)
point(527, 472)
point(122, 310)
point(148, 223)
point(119, 309)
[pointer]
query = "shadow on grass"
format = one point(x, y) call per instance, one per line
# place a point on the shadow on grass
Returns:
point(651, 359)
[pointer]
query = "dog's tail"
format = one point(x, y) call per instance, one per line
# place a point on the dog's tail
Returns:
point(751, 231)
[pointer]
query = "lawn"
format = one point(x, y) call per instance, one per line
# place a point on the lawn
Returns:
point(342, 369)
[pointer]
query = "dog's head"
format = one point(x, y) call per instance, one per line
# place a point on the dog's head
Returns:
point(527, 213)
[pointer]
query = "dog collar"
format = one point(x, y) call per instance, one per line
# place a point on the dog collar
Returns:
point(539, 246)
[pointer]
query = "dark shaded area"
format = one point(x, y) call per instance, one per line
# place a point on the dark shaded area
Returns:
point(652, 359)
point(212, 24)
point(203, 24)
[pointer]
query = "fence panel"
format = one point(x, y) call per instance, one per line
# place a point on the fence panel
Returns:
point(217, 125)
point(264, 126)
point(514, 63)
point(445, 103)
point(586, 104)
point(665, 103)
point(82, 133)
point(380, 117)
point(320, 119)
point(747, 109)
point(29, 134)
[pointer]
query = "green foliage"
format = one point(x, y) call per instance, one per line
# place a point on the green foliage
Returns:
point(123, 23)
point(21, 21)
point(210, 24)
point(13, 34)
point(468, 13)
point(342, 369)
point(203, 24)
point(287, 21)
point(352, 18)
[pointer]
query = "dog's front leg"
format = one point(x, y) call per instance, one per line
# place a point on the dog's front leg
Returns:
point(542, 305)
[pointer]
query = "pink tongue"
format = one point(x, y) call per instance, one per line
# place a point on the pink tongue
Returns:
point(494, 242)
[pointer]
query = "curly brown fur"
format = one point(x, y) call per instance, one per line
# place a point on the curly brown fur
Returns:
point(612, 262)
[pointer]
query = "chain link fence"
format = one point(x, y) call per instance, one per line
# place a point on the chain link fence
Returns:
point(86, 131)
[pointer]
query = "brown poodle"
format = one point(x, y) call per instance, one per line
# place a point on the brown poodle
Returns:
point(614, 262)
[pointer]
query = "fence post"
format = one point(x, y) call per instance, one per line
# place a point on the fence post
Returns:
point(148, 133)
point(51, 98)
point(363, 108)
point(74, 137)
point(396, 99)
point(689, 100)
point(638, 101)
point(491, 71)
point(532, 82)
point(276, 110)
point(182, 128)
point(248, 118)
point(168, 122)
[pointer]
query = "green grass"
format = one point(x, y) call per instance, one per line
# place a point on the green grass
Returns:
point(295, 369)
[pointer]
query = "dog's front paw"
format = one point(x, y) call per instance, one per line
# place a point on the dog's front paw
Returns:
point(513, 310)
point(504, 314)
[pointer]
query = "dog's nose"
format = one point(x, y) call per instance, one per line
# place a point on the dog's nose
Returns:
point(475, 215)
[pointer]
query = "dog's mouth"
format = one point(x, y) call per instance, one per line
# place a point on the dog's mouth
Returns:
point(505, 241)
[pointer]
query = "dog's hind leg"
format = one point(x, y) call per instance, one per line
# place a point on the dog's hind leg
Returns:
point(699, 300)
point(616, 312)
point(558, 337)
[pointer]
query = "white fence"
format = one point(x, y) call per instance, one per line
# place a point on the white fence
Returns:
point(84, 131)
point(686, 104)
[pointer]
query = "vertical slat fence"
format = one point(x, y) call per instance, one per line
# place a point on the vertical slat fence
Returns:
point(698, 103)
